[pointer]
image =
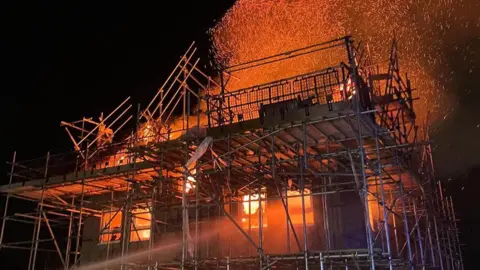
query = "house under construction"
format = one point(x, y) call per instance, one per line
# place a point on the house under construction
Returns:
point(318, 170)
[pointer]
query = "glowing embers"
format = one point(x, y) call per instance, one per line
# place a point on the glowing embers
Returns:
point(295, 207)
point(140, 228)
point(250, 211)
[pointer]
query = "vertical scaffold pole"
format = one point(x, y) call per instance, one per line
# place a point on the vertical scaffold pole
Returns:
point(448, 248)
point(419, 234)
point(405, 223)
point(184, 211)
point(197, 208)
point(229, 175)
point(439, 245)
point(7, 200)
point(185, 223)
point(101, 222)
point(321, 261)
point(430, 241)
point(394, 219)
point(384, 206)
point(38, 220)
point(453, 246)
point(303, 166)
point(69, 238)
point(326, 181)
point(80, 215)
point(151, 241)
point(260, 226)
point(364, 191)
point(126, 224)
point(131, 188)
point(456, 234)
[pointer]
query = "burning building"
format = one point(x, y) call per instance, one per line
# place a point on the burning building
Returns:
point(321, 168)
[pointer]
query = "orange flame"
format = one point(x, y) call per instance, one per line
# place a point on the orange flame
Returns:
point(251, 204)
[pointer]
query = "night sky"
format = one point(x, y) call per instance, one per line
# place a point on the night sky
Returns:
point(65, 60)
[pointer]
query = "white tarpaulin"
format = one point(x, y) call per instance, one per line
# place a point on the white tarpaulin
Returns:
point(199, 152)
point(191, 163)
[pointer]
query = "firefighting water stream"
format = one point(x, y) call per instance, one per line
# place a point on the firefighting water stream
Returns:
point(141, 255)
point(162, 251)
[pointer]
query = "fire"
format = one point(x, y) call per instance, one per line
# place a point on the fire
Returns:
point(346, 91)
point(251, 203)
point(254, 29)
point(295, 206)
point(190, 181)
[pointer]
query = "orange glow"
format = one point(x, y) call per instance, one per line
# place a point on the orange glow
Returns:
point(104, 136)
point(141, 225)
point(110, 225)
point(347, 92)
point(189, 186)
point(295, 207)
point(250, 203)
point(147, 133)
point(190, 181)
point(254, 29)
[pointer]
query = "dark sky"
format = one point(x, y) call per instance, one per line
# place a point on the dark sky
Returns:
point(67, 59)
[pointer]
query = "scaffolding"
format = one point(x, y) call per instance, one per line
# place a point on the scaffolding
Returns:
point(317, 170)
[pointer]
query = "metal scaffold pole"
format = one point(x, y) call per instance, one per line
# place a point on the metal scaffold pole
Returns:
point(7, 200)
point(38, 220)
point(454, 219)
point(317, 170)
point(383, 202)
point(197, 209)
point(303, 166)
point(69, 238)
point(405, 223)
point(153, 222)
point(79, 225)
point(364, 188)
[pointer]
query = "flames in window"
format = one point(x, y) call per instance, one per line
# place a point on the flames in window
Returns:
point(275, 209)
point(250, 215)
point(295, 206)
point(141, 220)
point(111, 223)
point(250, 203)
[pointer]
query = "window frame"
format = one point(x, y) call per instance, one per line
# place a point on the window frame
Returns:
point(135, 230)
point(104, 231)
point(140, 213)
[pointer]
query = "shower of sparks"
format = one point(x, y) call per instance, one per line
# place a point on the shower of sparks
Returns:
point(253, 29)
